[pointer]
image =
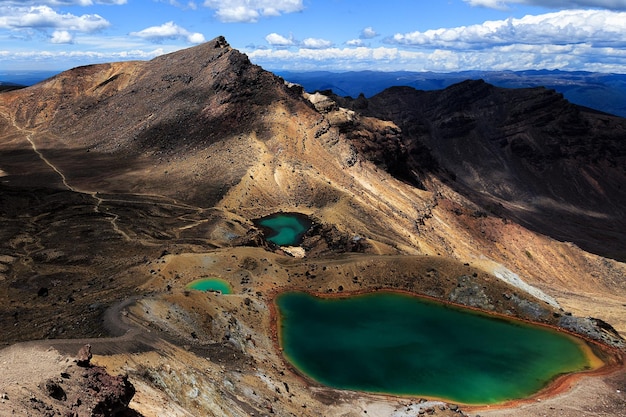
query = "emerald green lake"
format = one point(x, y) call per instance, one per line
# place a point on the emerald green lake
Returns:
point(404, 345)
point(210, 284)
point(284, 229)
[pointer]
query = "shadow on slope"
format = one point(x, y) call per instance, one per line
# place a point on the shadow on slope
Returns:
point(524, 154)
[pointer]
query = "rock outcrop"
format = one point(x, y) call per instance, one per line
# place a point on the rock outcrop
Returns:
point(83, 357)
point(57, 387)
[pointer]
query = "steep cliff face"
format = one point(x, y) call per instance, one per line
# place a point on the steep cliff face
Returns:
point(527, 154)
point(378, 141)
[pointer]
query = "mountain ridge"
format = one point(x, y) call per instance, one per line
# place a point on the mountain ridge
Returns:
point(604, 92)
point(502, 143)
point(601, 91)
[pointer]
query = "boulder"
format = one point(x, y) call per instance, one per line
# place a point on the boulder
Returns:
point(84, 356)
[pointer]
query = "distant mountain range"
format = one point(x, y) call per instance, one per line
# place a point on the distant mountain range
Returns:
point(604, 92)
point(23, 78)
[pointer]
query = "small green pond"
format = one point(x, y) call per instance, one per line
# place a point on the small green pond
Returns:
point(284, 229)
point(210, 284)
point(399, 344)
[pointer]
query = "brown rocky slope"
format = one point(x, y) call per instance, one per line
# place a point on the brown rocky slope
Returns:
point(128, 180)
point(525, 154)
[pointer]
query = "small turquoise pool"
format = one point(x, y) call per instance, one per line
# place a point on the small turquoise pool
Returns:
point(284, 229)
point(210, 284)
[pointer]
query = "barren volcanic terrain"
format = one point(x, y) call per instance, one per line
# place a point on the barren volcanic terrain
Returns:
point(121, 183)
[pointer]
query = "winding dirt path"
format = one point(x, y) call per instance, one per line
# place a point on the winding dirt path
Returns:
point(99, 201)
point(28, 135)
point(129, 336)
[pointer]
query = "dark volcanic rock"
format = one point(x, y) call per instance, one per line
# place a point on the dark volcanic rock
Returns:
point(592, 328)
point(550, 165)
point(323, 239)
point(106, 395)
point(80, 392)
point(380, 144)
point(55, 390)
point(470, 293)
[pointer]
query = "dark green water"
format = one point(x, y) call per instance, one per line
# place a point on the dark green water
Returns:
point(210, 284)
point(284, 229)
point(403, 345)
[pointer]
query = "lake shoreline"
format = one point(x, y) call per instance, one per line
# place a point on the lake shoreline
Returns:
point(273, 227)
point(604, 359)
point(213, 284)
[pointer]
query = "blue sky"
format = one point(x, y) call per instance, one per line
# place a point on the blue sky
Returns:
point(338, 35)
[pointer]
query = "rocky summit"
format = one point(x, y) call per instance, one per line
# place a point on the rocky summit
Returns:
point(122, 183)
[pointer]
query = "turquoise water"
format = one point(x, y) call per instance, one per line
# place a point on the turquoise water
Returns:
point(284, 229)
point(404, 345)
point(210, 284)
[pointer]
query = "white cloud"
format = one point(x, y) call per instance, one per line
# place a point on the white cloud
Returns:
point(491, 4)
point(314, 43)
point(56, 3)
point(61, 36)
point(354, 42)
point(573, 57)
point(368, 33)
point(168, 30)
point(73, 58)
point(237, 14)
point(334, 58)
point(251, 10)
point(280, 41)
point(190, 5)
point(195, 38)
point(44, 17)
point(595, 27)
point(275, 39)
point(552, 4)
